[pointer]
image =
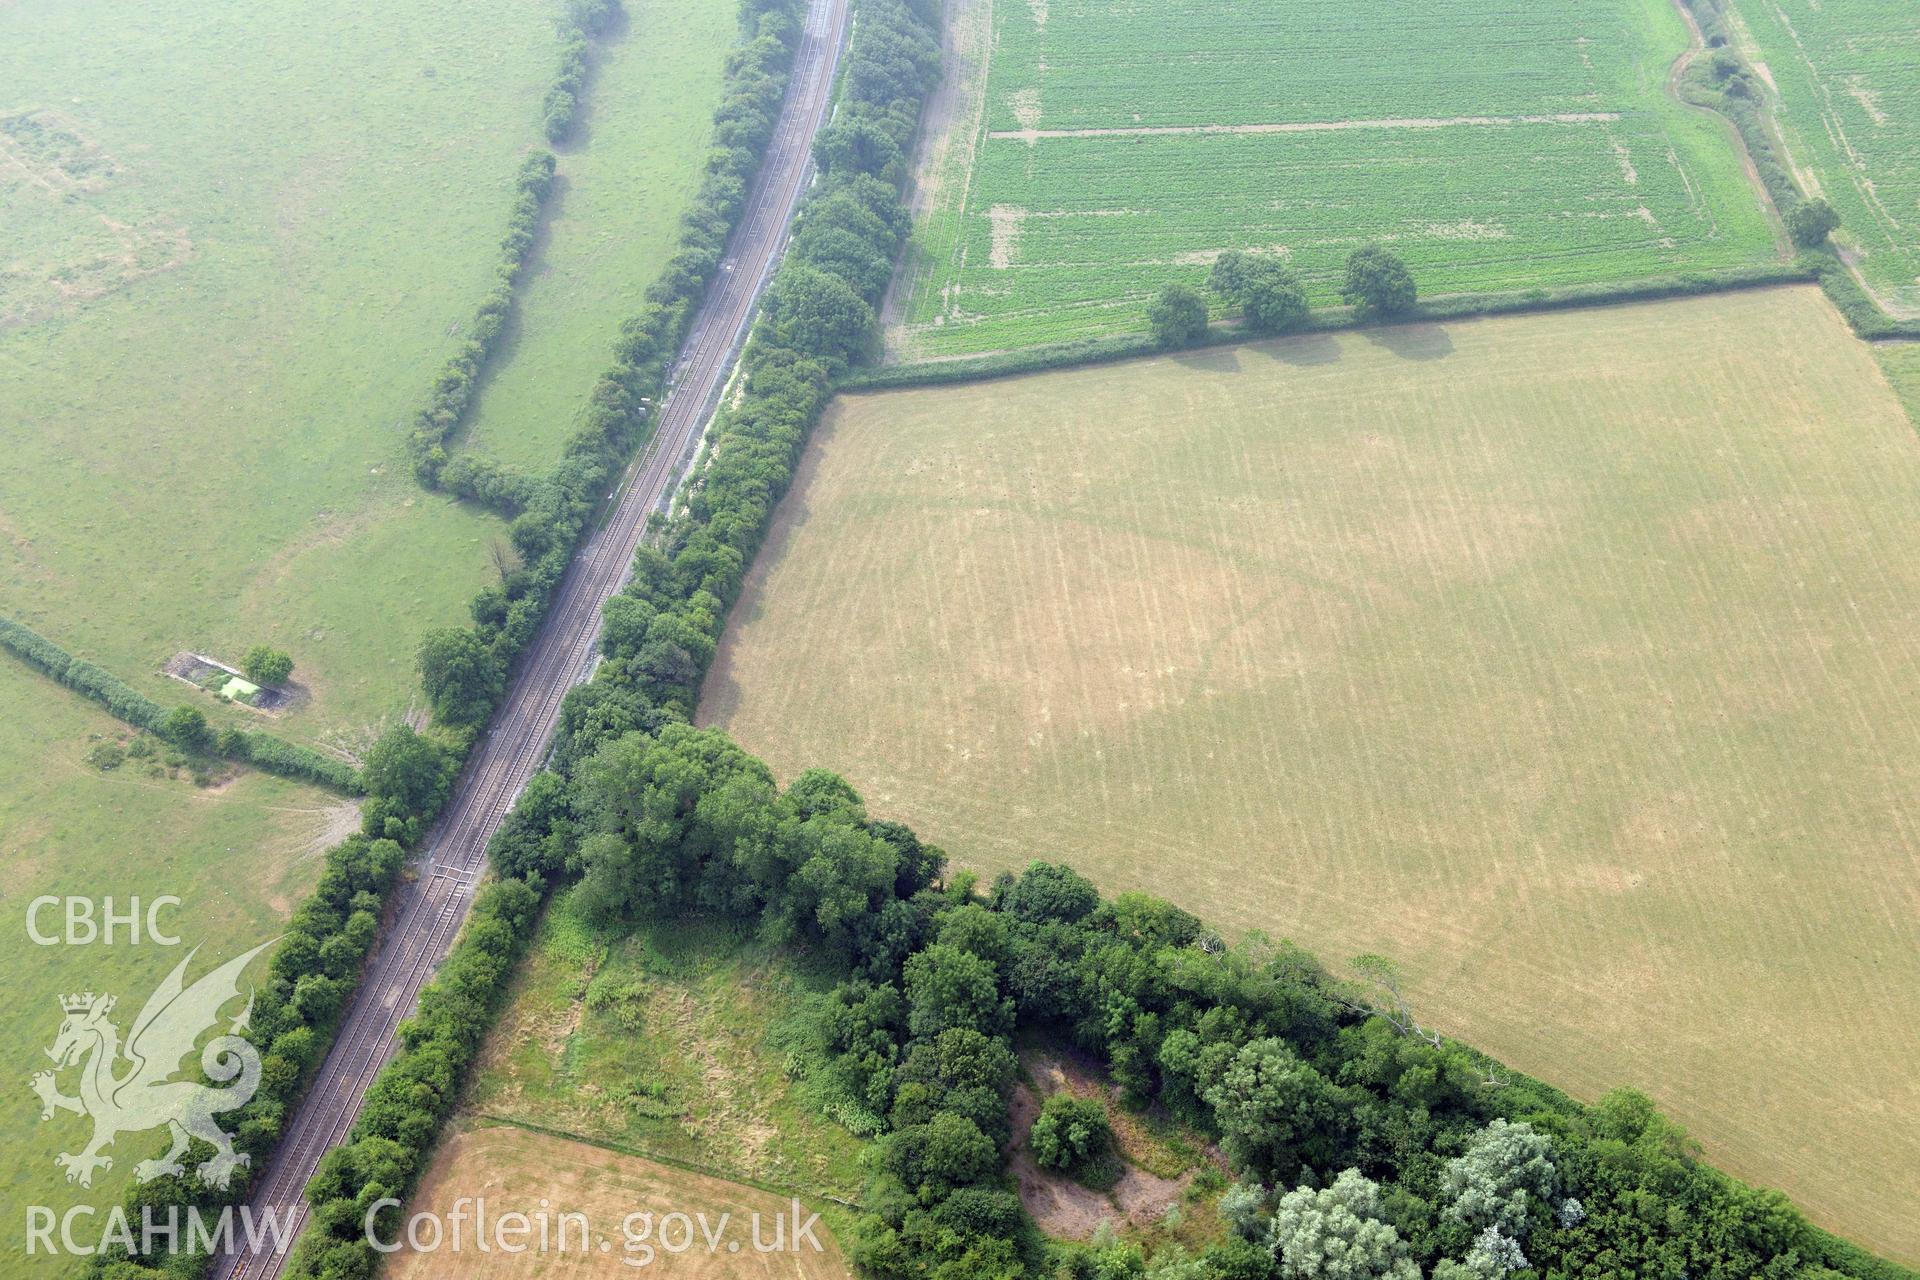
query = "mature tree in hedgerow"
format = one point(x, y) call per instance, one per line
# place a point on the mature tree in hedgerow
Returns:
point(817, 313)
point(1177, 315)
point(1338, 1233)
point(265, 665)
point(408, 778)
point(460, 674)
point(1810, 222)
point(1269, 295)
point(1506, 1171)
point(1378, 283)
point(185, 727)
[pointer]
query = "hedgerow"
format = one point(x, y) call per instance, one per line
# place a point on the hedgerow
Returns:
point(313, 970)
point(548, 513)
point(416, 1091)
point(1452, 307)
point(584, 22)
point(452, 393)
point(1724, 82)
point(263, 750)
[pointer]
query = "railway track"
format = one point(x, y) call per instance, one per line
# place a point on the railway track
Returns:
point(431, 906)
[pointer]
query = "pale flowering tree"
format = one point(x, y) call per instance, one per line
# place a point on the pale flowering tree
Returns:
point(1507, 1169)
point(1338, 1233)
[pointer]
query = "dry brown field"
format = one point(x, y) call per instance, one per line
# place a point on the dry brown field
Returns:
point(1571, 660)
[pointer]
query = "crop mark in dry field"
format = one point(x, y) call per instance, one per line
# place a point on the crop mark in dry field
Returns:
point(1567, 658)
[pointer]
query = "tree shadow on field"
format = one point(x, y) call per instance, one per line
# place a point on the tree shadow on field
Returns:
point(513, 330)
point(1209, 360)
point(720, 692)
point(580, 136)
point(1412, 341)
point(1306, 350)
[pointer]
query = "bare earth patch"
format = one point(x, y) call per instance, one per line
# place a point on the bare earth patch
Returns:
point(1062, 1207)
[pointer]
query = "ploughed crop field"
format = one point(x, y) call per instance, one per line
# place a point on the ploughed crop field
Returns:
point(1568, 660)
point(1847, 80)
point(1082, 155)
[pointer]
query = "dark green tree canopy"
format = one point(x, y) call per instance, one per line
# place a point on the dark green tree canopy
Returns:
point(1378, 284)
point(1177, 316)
point(1810, 222)
point(186, 727)
point(1071, 1134)
point(265, 665)
point(461, 676)
point(1267, 292)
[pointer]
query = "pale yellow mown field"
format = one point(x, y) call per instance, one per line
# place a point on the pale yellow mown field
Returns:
point(626, 1205)
point(1572, 660)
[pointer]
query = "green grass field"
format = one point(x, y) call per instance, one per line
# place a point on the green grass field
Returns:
point(237, 239)
point(237, 243)
point(209, 455)
point(623, 184)
point(1080, 156)
point(1846, 80)
point(239, 858)
point(663, 1042)
point(1568, 659)
point(1901, 360)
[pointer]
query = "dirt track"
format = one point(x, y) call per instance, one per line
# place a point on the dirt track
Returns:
point(431, 908)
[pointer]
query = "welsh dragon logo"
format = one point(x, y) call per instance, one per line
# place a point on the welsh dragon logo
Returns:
point(145, 1095)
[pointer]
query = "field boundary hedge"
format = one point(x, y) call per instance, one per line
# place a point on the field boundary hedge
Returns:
point(583, 25)
point(264, 751)
point(1735, 95)
point(452, 396)
point(1466, 306)
point(550, 512)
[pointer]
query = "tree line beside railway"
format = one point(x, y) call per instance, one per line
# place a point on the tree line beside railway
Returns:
point(408, 776)
point(1352, 1131)
point(464, 669)
point(819, 316)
